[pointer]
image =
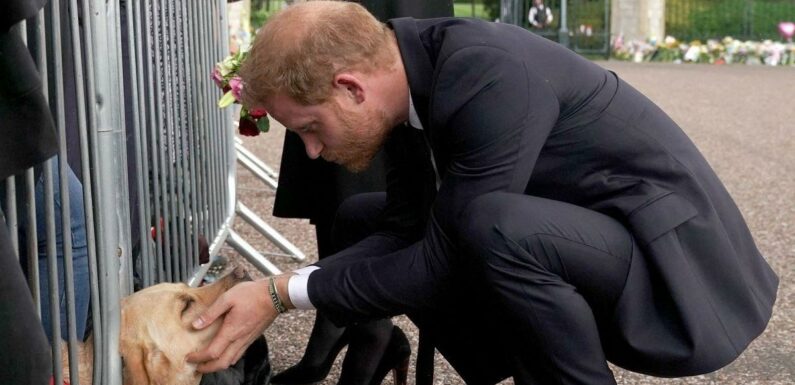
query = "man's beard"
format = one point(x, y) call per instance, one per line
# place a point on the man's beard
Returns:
point(364, 135)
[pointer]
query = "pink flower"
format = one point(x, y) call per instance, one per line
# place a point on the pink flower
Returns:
point(257, 113)
point(247, 127)
point(237, 86)
point(786, 29)
point(217, 78)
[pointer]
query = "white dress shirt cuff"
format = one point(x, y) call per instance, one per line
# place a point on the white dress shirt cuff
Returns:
point(297, 288)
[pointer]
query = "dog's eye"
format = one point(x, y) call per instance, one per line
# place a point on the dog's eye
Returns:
point(188, 303)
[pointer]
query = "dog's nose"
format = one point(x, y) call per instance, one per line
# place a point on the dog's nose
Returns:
point(241, 274)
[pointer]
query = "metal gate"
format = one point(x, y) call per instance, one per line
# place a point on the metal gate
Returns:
point(582, 25)
point(146, 165)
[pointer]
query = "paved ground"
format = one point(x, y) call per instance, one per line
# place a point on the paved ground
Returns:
point(742, 118)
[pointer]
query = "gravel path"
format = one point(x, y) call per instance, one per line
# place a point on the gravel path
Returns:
point(741, 117)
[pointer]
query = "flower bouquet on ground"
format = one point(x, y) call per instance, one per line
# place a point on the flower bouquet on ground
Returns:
point(252, 121)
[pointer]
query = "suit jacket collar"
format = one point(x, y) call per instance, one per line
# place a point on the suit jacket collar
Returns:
point(419, 69)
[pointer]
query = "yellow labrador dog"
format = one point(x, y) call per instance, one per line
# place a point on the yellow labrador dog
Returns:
point(156, 331)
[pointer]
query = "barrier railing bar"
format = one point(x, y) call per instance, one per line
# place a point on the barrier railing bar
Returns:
point(32, 239)
point(151, 71)
point(207, 171)
point(111, 194)
point(172, 226)
point(87, 134)
point(177, 119)
point(52, 270)
point(207, 117)
point(220, 49)
point(269, 232)
point(169, 147)
point(184, 151)
point(122, 210)
point(57, 104)
point(77, 59)
point(216, 116)
point(39, 41)
point(192, 239)
point(187, 152)
point(202, 123)
point(162, 133)
point(229, 148)
point(11, 216)
point(210, 119)
point(245, 152)
point(141, 148)
point(191, 127)
point(251, 254)
point(257, 171)
point(266, 175)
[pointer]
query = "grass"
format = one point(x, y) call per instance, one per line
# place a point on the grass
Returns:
point(465, 10)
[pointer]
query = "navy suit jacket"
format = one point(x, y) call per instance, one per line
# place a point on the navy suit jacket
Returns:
point(506, 110)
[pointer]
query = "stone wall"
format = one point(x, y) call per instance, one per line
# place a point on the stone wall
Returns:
point(638, 19)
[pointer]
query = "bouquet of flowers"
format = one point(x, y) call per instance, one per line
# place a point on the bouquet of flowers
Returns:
point(252, 121)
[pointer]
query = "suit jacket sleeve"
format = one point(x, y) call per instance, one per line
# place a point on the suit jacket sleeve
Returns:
point(490, 115)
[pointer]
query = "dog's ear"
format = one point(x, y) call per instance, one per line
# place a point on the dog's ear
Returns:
point(134, 370)
point(158, 366)
point(145, 366)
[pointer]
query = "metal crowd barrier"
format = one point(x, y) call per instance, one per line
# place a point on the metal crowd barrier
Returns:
point(135, 109)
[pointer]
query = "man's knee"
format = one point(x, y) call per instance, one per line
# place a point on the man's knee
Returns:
point(484, 220)
point(502, 225)
point(356, 218)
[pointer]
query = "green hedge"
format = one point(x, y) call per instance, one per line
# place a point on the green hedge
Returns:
point(744, 19)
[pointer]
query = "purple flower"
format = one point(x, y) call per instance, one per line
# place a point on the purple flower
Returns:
point(218, 78)
point(236, 83)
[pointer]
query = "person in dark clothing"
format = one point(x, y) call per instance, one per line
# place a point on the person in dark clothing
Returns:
point(314, 189)
point(539, 16)
point(569, 216)
point(28, 139)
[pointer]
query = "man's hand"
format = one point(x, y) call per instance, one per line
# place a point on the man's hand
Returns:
point(247, 311)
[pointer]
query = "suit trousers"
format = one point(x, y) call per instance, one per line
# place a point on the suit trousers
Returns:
point(534, 285)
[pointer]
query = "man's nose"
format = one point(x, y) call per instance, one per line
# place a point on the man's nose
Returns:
point(313, 148)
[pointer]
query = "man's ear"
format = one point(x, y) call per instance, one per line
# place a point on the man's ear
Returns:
point(350, 86)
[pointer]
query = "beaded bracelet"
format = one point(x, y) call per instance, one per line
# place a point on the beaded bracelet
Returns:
point(277, 302)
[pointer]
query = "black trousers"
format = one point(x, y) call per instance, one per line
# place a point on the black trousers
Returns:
point(535, 285)
point(24, 351)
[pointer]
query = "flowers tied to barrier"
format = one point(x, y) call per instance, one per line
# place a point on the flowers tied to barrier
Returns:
point(224, 74)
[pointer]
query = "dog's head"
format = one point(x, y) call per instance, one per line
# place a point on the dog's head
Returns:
point(156, 332)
